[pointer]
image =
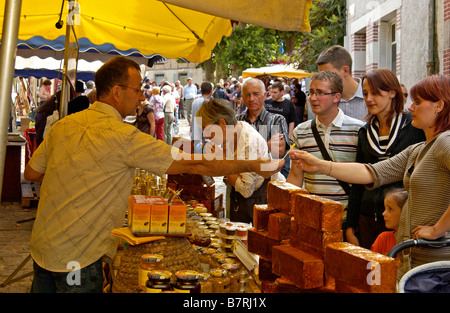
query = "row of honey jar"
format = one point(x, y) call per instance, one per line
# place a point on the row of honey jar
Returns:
point(227, 278)
point(149, 184)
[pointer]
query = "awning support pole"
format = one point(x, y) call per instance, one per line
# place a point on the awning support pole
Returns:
point(7, 63)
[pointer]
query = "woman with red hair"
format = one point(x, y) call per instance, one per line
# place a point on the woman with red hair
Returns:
point(424, 169)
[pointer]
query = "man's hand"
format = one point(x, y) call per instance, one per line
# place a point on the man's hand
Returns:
point(269, 167)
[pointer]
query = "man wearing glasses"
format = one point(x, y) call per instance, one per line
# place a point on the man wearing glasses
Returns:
point(337, 131)
point(86, 164)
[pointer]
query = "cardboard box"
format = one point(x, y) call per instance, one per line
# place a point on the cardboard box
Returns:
point(139, 214)
point(159, 215)
point(177, 217)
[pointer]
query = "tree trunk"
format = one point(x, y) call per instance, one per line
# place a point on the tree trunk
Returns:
point(208, 67)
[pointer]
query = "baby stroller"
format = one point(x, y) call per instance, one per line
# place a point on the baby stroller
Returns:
point(427, 278)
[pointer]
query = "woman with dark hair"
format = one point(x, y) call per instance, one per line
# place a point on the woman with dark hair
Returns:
point(424, 169)
point(145, 118)
point(387, 132)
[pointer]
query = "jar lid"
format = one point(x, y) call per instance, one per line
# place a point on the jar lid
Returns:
point(219, 256)
point(159, 274)
point(203, 276)
point(209, 251)
point(230, 266)
point(187, 275)
point(152, 257)
point(218, 272)
point(227, 260)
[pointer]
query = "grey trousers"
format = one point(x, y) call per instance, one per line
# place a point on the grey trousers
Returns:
point(168, 126)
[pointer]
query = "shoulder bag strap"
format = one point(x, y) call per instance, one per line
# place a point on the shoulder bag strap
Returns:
point(325, 154)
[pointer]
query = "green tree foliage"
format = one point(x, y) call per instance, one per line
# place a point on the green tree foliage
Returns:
point(253, 46)
point(248, 46)
point(327, 29)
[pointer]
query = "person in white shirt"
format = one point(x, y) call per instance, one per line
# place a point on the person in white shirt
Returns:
point(190, 92)
point(169, 107)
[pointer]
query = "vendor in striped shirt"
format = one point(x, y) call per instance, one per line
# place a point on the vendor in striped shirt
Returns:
point(338, 132)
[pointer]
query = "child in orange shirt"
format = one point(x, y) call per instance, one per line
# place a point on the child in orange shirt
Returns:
point(394, 199)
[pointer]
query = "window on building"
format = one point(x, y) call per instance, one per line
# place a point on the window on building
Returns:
point(182, 77)
point(159, 78)
point(393, 48)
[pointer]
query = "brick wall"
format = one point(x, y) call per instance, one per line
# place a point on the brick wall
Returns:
point(358, 53)
point(446, 57)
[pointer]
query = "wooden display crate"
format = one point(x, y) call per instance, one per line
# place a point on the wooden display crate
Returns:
point(30, 192)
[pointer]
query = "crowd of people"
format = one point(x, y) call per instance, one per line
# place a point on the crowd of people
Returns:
point(388, 165)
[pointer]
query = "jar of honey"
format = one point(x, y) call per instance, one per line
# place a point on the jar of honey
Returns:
point(148, 262)
point(158, 281)
point(187, 282)
point(220, 280)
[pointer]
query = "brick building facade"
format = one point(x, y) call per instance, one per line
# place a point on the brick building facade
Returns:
point(410, 37)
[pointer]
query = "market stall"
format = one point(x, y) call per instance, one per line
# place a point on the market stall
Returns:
point(174, 240)
point(280, 70)
point(294, 245)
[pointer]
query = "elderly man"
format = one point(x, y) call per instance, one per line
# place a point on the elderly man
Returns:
point(169, 110)
point(271, 126)
point(86, 164)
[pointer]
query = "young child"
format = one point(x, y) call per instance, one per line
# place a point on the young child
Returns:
point(394, 199)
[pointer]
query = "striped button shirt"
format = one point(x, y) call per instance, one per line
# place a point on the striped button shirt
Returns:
point(340, 138)
point(268, 124)
point(355, 106)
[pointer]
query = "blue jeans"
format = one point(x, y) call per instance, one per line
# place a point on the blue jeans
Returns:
point(90, 280)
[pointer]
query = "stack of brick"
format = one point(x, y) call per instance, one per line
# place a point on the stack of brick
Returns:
point(298, 237)
point(358, 270)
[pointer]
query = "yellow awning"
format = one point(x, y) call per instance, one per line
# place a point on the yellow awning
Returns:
point(288, 71)
point(150, 26)
point(185, 28)
point(286, 15)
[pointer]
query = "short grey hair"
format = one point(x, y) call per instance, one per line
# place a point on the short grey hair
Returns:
point(167, 89)
point(254, 81)
point(212, 111)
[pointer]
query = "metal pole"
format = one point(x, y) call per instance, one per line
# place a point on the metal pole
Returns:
point(7, 63)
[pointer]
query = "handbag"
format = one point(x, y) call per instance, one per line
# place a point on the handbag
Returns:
point(51, 119)
point(325, 154)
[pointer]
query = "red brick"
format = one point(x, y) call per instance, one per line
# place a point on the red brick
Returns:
point(283, 285)
point(279, 194)
point(260, 243)
point(304, 270)
point(312, 240)
point(341, 287)
point(265, 270)
point(279, 225)
point(360, 268)
point(318, 212)
point(261, 216)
